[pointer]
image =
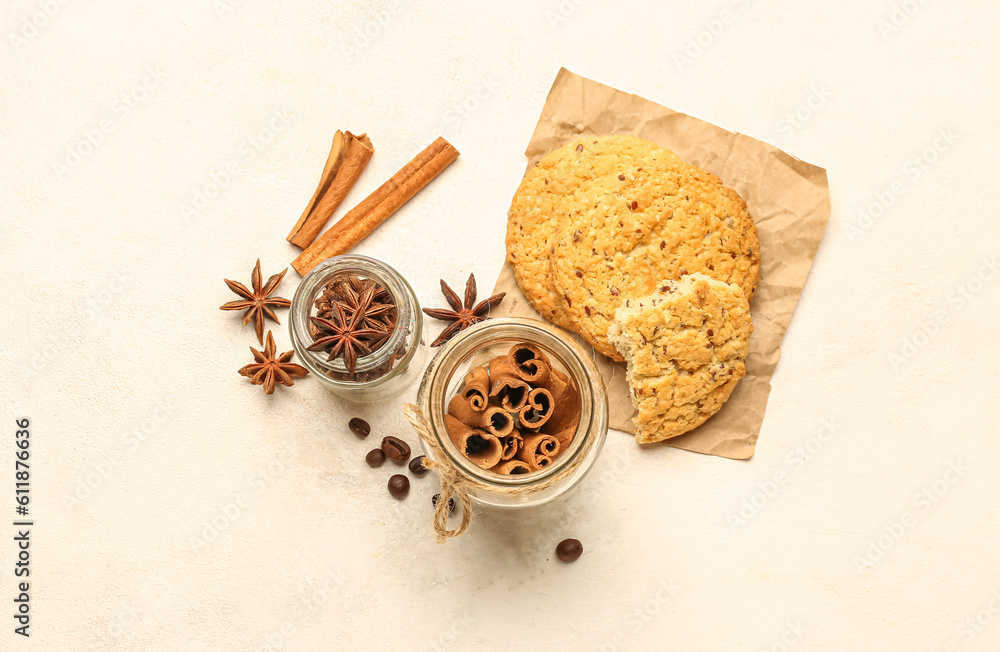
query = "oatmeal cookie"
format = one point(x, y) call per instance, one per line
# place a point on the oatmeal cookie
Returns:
point(557, 189)
point(685, 345)
point(650, 222)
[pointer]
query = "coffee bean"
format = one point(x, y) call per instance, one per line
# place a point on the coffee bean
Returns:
point(417, 467)
point(569, 550)
point(375, 458)
point(399, 486)
point(451, 503)
point(359, 427)
point(395, 449)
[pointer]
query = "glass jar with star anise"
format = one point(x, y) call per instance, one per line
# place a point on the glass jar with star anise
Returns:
point(355, 324)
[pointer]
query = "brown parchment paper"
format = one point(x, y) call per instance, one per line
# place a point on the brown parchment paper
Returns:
point(788, 199)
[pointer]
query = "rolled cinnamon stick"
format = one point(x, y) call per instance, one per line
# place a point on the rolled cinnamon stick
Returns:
point(477, 388)
point(495, 420)
point(511, 443)
point(348, 158)
point(565, 401)
point(507, 388)
point(538, 451)
point(537, 410)
point(565, 437)
point(524, 352)
point(364, 218)
point(511, 467)
point(479, 446)
point(530, 363)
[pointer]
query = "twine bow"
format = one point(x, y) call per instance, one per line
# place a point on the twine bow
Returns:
point(452, 483)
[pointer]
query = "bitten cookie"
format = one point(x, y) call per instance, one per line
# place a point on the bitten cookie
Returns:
point(648, 223)
point(685, 345)
point(555, 190)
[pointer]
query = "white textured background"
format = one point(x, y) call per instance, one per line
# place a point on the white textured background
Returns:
point(179, 508)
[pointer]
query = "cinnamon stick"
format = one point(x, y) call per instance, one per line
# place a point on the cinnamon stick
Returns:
point(530, 363)
point(348, 158)
point(565, 437)
point(364, 218)
point(511, 444)
point(565, 417)
point(477, 388)
point(495, 420)
point(526, 352)
point(538, 451)
point(507, 388)
point(478, 445)
point(565, 402)
point(537, 410)
point(512, 467)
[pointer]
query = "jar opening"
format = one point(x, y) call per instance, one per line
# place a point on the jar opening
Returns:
point(475, 347)
point(387, 360)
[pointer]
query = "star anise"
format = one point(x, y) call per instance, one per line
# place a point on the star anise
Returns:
point(465, 315)
point(258, 303)
point(365, 311)
point(344, 337)
point(268, 370)
point(351, 291)
point(359, 284)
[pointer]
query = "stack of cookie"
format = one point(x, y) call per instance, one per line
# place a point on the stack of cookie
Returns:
point(604, 223)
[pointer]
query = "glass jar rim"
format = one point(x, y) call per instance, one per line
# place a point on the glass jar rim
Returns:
point(570, 354)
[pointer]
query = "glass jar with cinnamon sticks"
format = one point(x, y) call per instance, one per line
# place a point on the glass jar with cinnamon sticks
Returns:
point(355, 324)
point(515, 409)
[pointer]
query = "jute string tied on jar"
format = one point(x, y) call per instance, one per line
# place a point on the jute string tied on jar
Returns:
point(456, 484)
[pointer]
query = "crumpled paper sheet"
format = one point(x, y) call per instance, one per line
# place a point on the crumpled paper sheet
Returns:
point(788, 199)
